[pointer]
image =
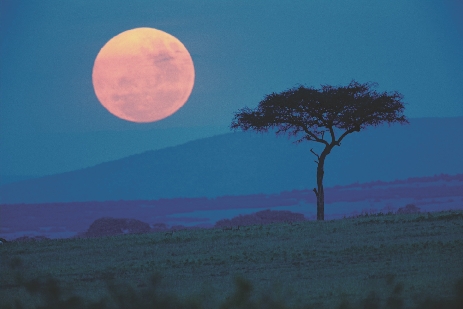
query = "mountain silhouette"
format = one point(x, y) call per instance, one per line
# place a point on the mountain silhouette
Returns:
point(241, 163)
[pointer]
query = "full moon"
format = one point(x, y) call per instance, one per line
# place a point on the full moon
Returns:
point(143, 75)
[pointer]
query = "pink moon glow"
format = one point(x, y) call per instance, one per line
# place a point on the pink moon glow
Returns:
point(143, 75)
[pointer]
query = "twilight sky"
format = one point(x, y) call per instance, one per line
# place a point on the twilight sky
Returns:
point(51, 120)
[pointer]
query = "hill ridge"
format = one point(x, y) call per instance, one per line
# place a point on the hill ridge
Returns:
point(247, 163)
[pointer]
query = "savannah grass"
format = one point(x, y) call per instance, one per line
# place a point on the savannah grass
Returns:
point(372, 261)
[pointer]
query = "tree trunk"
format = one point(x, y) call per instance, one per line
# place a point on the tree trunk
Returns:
point(319, 192)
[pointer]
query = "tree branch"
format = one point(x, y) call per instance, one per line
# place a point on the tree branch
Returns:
point(311, 150)
point(333, 138)
point(314, 137)
point(357, 128)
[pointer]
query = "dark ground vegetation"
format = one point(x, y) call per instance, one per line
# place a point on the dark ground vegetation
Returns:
point(372, 261)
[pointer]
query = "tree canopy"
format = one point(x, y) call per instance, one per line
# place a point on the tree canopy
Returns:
point(313, 111)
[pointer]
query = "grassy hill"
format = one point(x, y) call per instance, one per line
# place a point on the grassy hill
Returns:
point(381, 261)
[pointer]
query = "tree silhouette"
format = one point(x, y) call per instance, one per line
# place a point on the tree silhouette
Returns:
point(309, 114)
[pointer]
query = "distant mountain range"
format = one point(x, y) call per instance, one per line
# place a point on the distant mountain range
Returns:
point(58, 220)
point(249, 163)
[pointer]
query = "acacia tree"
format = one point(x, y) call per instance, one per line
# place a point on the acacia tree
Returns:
point(318, 115)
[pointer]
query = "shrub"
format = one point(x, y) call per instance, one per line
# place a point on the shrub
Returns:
point(112, 226)
point(262, 217)
point(408, 209)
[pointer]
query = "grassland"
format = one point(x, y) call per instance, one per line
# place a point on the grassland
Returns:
point(381, 261)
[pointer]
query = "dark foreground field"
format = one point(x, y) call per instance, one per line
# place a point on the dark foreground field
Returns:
point(381, 261)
